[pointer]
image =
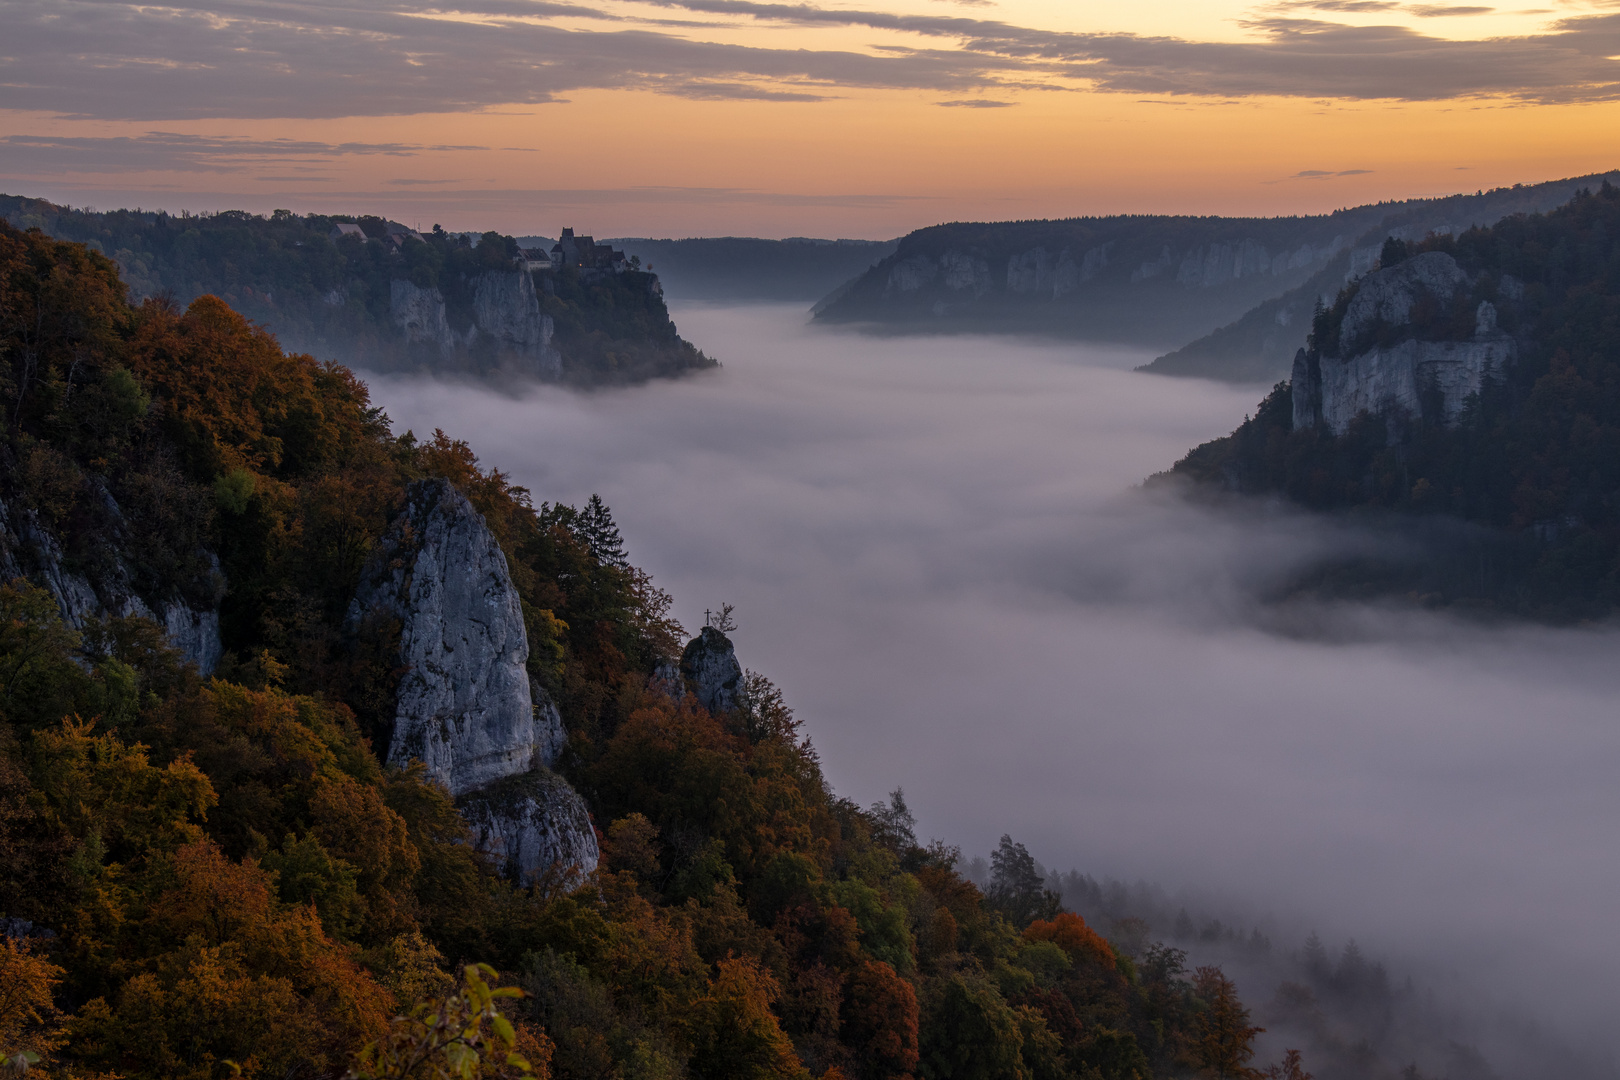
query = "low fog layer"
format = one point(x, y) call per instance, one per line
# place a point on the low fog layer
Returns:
point(934, 548)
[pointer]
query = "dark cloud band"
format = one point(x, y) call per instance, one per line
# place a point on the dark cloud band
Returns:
point(109, 59)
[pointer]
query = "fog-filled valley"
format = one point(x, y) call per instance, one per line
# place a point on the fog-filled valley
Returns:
point(938, 549)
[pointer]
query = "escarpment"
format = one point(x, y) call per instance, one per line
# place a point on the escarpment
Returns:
point(467, 707)
point(507, 331)
point(1382, 362)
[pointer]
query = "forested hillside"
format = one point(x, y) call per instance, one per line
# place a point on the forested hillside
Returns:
point(340, 298)
point(1240, 289)
point(1515, 503)
point(200, 875)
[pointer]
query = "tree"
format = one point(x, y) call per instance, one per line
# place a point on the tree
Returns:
point(1289, 1068)
point(598, 530)
point(1017, 886)
point(1224, 1037)
point(970, 1033)
point(460, 1037)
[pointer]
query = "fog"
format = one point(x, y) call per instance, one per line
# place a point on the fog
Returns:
point(936, 548)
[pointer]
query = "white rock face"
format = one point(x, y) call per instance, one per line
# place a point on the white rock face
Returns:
point(964, 271)
point(709, 665)
point(911, 274)
point(1393, 381)
point(465, 706)
point(420, 313)
point(1410, 377)
point(1388, 296)
point(1030, 272)
point(534, 826)
point(506, 309)
point(506, 313)
point(28, 550)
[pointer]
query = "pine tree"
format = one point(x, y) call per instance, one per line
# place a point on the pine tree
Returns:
point(597, 529)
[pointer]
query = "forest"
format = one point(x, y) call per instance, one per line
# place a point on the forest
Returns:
point(332, 298)
point(203, 878)
point(1515, 507)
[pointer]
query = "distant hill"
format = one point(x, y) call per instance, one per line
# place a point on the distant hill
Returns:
point(1155, 281)
point(1260, 346)
point(374, 294)
point(743, 268)
point(1464, 397)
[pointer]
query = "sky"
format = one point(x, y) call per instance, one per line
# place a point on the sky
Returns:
point(937, 548)
point(739, 117)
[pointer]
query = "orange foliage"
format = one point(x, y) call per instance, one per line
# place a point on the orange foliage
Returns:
point(1070, 933)
point(880, 1021)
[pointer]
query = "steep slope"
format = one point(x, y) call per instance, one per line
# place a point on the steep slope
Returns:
point(1146, 280)
point(1467, 393)
point(1259, 346)
point(387, 298)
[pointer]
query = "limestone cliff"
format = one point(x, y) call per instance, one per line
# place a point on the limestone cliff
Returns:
point(1380, 364)
point(467, 707)
point(710, 669)
point(29, 550)
point(508, 332)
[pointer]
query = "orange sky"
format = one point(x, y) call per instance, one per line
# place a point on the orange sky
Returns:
point(716, 117)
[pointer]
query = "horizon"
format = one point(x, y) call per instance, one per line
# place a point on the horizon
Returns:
point(698, 117)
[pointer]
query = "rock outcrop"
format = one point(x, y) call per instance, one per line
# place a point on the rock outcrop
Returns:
point(28, 550)
point(465, 704)
point(709, 666)
point(507, 311)
point(1382, 368)
point(419, 314)
point(533, 825)
point(467, 707)
point(508, 332)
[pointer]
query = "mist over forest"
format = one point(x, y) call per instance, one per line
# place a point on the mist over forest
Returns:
point(938, 548)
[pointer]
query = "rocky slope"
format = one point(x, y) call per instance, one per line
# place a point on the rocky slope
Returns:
point(1378, 366)
point(104, 588)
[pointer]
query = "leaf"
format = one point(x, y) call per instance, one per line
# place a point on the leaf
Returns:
point(503, 1028)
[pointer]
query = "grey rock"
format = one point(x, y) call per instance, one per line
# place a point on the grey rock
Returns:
point(964, 271)
point(420, 314)
point(1306, 390)
point(1388, 296)
point(911, 274)
point(709, 665)
point(535, 827)
point(29, 550)
point(1394, 381)
point(507, 310)
point(1030, 272)
point(465, 704)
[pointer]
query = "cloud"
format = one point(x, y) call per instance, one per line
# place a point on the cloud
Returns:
point(1325, 174)
point(117, 60)
point(976, 103)
point(173, 152)
point(1435, 11)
